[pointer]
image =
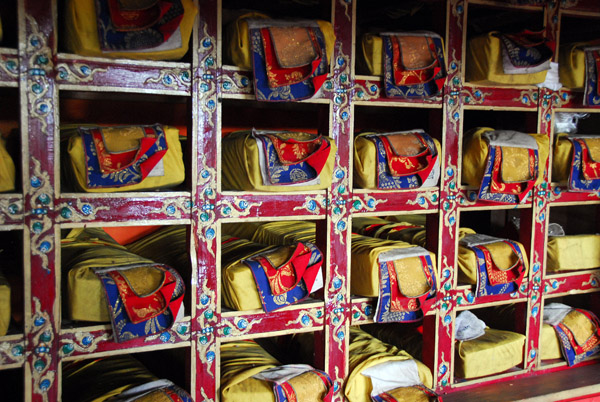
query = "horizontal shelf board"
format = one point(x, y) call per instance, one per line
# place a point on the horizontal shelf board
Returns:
point(464, 294)
point(363, 310)
point(588, 7)
point(98, 341)
point(11, 209)
point(514, 372)
point(369, 90)
point(9, 67)
point(306, 316)
point(123, 207)
point(98, 74)
point(12, 351)
point(505, 4)
point(558, 385)
point(560, 195)
point(386, 201)
point(233, 206)
point(485, 97)
point(583, 282)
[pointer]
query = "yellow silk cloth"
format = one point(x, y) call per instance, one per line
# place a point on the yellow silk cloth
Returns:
point(492, 353)
point(97, 380)
point(238, 287)
point(366, 351)
point(484, 64)
point(285, 232)
point(404, 336)
point(365, 264)
point(241, 166)
point(571, 65)
point(573, 252)
point(168, 245)
point(413, 235)
point(238, 44)
point(365, 161)
point(467, 259)
point(82, 250)
point(475, 155)
point(174, 170)
point(7, 169)
point(550, 347)
point(81, 33)
point(239, 362)
point(4, 304)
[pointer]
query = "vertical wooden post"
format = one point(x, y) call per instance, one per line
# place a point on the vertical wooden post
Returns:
point(38, 98)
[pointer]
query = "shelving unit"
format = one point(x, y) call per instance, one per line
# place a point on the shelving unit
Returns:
point(40, 86)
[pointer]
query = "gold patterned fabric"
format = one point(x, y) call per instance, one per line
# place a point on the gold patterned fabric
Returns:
point(573, 252)
point(580, 326)
point(475, 155)
point(81, 33)
point(364, 352)
point(492, 353)
point(515, 165)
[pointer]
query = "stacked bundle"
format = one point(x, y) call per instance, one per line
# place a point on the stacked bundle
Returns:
point(277, 161)
point(576, 160)
point(494, 265)
point(109, 159)
point(412, 63)
point(396, 161)
point(290, 59)
point(247, 369)
point(269, 277)
point(120, 378)
point(504, 164)
point(509, 59)
point(108, 283)
point(482, 351)
point(7, 168)
point(134, 29)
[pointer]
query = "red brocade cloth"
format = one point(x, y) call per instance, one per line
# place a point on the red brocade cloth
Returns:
point(292, 54)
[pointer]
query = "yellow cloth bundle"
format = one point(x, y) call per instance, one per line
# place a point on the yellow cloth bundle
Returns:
point(167, 245)
point(81, 33)
point(285, 232)
point(404, 336)
point(97, 380)
point(562, 158)
point(172, 160)
point(475, 155)
point(402, 231)
point(573, 252)
point(82, 250)
point(237, 282)
point(239, 362)
point(484, 64)
point(365, 160)
point(242, 171)
point(372, 49)
point(549, 344)
point(4, 304)
point(492, 353)
point(571, 65)
point(238, 44)
point(467, 259)
point(366, 351)
point(365, 263)
point(7, 169)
